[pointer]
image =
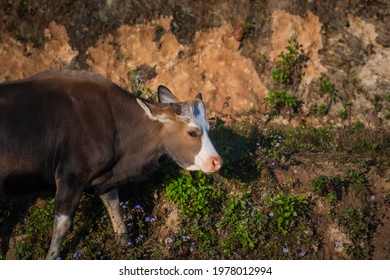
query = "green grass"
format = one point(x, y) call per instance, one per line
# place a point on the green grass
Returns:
point(36, 233)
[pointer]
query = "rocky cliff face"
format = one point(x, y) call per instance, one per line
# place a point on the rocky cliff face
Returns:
point(192, 47)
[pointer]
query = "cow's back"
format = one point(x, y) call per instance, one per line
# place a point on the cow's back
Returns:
point(55, 117)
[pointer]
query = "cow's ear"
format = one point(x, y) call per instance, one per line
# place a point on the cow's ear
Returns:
point(155, 113)
point(165, 95)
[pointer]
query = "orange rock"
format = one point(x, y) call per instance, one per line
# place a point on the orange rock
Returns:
point(238, 34)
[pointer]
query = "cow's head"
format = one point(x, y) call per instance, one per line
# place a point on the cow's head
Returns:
point(185, 130)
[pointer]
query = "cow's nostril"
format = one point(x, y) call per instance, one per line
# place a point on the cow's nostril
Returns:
point(217, 163)
point(212, 164)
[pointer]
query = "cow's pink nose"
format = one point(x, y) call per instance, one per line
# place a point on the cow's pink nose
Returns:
point(213, 164)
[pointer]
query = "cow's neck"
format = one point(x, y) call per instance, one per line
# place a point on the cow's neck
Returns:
point(138, 140)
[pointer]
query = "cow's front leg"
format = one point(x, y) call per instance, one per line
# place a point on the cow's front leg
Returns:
point(111, 202)
point(62, 223)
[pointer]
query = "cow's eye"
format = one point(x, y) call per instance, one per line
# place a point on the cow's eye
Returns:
point(192, 133)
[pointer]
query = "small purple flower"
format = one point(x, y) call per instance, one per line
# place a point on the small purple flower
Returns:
point(170, 240)
point(257, 144)
point(271, 214)
point(285, 250)
point(129, 244)
point(139, 78)
point(185, 237)
point(138, 207)
point(141, 236)
point(150, 219)
point(58, 258)
point(124, 204)
point(277, 144)
point(337, 244)
point(76, 255)
point(372, 198)
point(273, 163)
point(302, 253)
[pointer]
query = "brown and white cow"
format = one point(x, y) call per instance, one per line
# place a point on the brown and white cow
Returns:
point(78, 131)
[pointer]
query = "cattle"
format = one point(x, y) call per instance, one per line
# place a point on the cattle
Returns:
point(79, 131)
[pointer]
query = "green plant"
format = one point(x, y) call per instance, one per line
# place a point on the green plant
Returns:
point(305, 139)
point(346, 111)
point(137, 222)
point(358, 224)
point(330, 187)
point(356, 251)
point(327, 88)
point(270, 147)
point(36, 234)
point(287, 209)
point(243, 223)
point(386, 96)
point(288, 69)
point(218, 122)
point(376, 102)
point(321, 110)
point(138, 87)
point(280, 99)
point(196, 199)
point(287, 75)
point(342, 114)
point(249, 27)
point(193, 194)
point(357, 125)
point(359, 182)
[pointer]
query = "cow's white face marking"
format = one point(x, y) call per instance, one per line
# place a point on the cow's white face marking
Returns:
point(208, 159)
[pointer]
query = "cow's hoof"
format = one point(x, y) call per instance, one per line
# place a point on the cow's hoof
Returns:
point(123, 239)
